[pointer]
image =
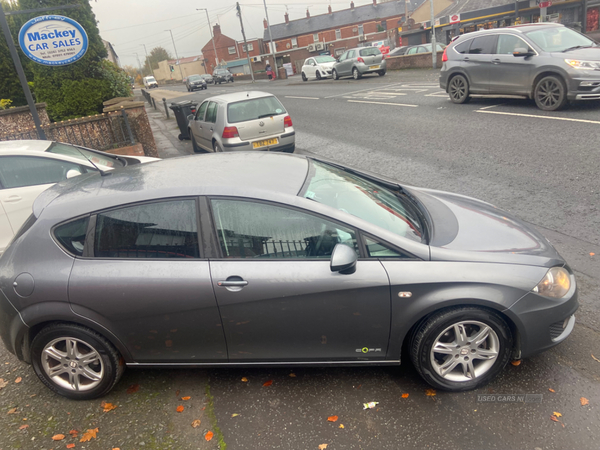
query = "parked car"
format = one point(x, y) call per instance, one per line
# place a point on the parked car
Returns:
point(222, 76)
point(150, 82)
point(242, 121)
point(317, 67)
point(194, 82)
point(358, 62)
point(423, 48)
point(546, 62)
point(261, 257)
point(208, 78)
point(398, 51)
point(28, 168)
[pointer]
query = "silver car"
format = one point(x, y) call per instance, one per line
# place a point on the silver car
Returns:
point(358, 62)
point(242, 121)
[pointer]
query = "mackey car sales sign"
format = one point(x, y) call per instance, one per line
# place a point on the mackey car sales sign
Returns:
point(53, 40)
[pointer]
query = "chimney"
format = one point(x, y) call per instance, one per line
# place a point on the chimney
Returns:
point(307, 13)
point(287, 17)
point(265, 23)
point(217, 30)
point(329, 9)
point(351, 5)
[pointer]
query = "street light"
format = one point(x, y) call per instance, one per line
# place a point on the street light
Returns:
point(176, 55)
point(212, 38)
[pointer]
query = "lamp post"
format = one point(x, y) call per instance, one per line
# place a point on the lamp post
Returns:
point(176, 55)
point(212, 38)
point(271, 38)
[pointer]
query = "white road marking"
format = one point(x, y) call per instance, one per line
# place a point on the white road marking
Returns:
point(566, 119)
point(492, 106)
point(386, 93)
point(363, 90)
point(383, 103)
point(305, 98)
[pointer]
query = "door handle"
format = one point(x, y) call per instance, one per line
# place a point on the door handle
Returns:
point(496, 61)
point(466, 58)
point(211, 129)
point(13, 199)
point(232, 283)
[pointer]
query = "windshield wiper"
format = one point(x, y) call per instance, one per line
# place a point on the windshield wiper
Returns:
point(269, 114)
point(576, 47)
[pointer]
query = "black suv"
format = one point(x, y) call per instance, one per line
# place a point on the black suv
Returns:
point(222, 76)
point(194, 82)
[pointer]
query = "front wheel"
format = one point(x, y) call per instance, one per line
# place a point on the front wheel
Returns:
point(304, 77)
point(334, 75)
point(75, 362)
point(459, 89)
point(461, 348)
point(195, 147)
point(318, 74)
point(550, 94)
point(356, 74)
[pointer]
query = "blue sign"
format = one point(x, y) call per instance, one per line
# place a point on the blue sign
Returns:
point(53, 40)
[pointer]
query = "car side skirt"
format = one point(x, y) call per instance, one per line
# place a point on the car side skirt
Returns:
point(383, 362)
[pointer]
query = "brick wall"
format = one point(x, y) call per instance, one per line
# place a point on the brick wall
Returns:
point(420, 61)
point(15, 119)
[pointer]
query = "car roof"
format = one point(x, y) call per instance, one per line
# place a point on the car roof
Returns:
point(515, 29)
point(48, 155)
point(239, 96)
point(255, 174)
point(25, 146)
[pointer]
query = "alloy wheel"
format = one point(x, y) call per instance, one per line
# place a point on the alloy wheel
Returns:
point(458, 89)
point(550, 94)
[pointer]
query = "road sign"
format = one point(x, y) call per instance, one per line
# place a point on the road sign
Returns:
point(547, 4)
point(53, 40)
point(455, 18)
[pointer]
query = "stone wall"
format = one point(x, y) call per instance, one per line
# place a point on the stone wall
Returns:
point(420, 61)
point(16, 119)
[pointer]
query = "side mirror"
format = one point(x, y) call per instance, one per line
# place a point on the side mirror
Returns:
point(343, 259)
point(72, 173)
point(190, 117)
point(523, 52)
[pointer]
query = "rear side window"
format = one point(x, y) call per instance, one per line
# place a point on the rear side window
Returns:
point(371, 51)
point(153, 230)
point(253, 109)
point(463, 47)
point(72, 235)
point(483, 45)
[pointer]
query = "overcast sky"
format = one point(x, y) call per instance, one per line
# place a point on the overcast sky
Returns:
point(128, 24)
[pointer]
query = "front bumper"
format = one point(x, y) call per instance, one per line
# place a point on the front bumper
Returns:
point(583, 85)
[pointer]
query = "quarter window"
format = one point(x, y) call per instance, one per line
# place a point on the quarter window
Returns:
point(257, 230)
point(483, 45)
point(72, 235)
point(20, 171)
point(463, 47)
point(376, 249)
point(153, 230)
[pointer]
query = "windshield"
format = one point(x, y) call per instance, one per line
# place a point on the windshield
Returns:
point(107, 161)
point(194, 77)
point(254, 109)
point(324, 59)
point(364, 199)
point(149, 79)
point(558, 39)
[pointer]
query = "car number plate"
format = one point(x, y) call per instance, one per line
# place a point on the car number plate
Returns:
point(264, 143)
point(373, 67)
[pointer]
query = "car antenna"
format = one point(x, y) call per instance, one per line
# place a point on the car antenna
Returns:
point(102, 172)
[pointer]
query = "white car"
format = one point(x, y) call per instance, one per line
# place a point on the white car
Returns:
point(27, 168)
point(317, 67)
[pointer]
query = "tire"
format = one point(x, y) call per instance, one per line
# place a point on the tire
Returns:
point(381, 73)
point(69, 346)
point(458, 89)
point(232, 80)
point(217, 148)
point(356, 74)
point(334, 75)
point(550, 93)
point(304, 77)
point(460, 364)
point(195, 147)
point(318, 75)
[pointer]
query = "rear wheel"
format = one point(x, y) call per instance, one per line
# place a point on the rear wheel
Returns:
point(550, 94)
point(304, 77)
point(459, 89)
point(381, 73)
point(75, 362)
point(356, 74)
point(216, 147)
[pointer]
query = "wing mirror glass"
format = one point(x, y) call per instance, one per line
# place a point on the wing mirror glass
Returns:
point(72, 173)
point(343, 259)
point(190, 117)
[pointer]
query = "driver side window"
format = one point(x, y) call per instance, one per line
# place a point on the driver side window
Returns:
point(21, 171)
point(201, 111)
point(257, 230)
point(344, 56)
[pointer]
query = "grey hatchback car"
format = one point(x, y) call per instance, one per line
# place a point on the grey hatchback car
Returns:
point(547, 62)
point(246, 259)
point(242, 121)
point(358, 62)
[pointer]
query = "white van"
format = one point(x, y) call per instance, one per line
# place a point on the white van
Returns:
point(150, 82)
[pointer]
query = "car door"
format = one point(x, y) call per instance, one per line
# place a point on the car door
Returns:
point(23, 178)
point(310, 68)
point(143, 278)
point(478, 62)
point(197, 125)
point(349, 63)
point(209, 125)
point(511, 74)
point(339, 65)
point(6, 231)
point(279, 299)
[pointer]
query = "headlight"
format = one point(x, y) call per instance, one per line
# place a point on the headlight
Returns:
point(586, 65)
point(556, 283)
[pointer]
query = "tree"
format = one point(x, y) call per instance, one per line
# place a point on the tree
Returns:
point(157, 54)
point(77, 89)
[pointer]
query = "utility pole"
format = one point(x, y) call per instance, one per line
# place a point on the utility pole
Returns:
point(139, 63)
point(17, 62)
point(271, 38)
point(176, 55)
point(433, 43)
point(147, 62)
point(239, 13)
point(212, 38)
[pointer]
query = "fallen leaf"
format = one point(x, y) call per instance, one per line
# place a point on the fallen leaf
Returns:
point(595, 359)
point(404, 395)
point(180, 408)
point(341, 425)
point(430, 392)
point(196, 423)
point(58, 437)
point(551, 390)
point(185, 398)
point(116, 448)
point(18, 380)
point(244, 379)
point(73, 433)
point(268, 383)
point(72, 446)
point(209, 435)
point(516, 362)
point(370, 405)
point(557, 414)
point(332, 418)
point(553, 418)
point(133, 388)
point(108, 406)
point(3, 383)
point(88, 435)
point(322, 446)
point(584, 401)
point(293, 375)
point(12, 411)
point(22, 427)
point(592, 253)
point(234, 415)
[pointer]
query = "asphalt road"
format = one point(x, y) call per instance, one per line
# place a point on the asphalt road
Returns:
point(541, 166)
